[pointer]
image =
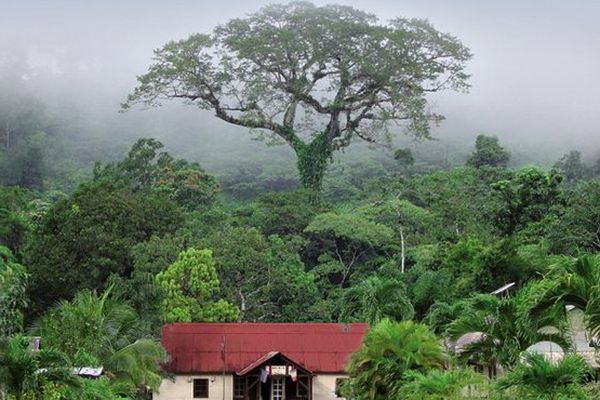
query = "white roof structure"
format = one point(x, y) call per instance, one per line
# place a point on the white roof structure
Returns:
point(503, 288)
point(87, 371)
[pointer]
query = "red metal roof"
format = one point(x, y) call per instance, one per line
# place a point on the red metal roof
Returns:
point(318, 347)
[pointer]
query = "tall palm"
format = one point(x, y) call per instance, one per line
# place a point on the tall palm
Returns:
point(105, 329)
point(374, 298)
point(89, 323)
point(502, 333)
point(135, 364)
point(389, 350)
point(574, 282)
point(24, 372)
point(537, 378)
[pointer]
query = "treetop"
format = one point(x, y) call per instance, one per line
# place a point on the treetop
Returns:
point(335, 64)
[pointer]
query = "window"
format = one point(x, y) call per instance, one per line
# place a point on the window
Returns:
point(238, 388)
point(201, 388)
point(277, 388)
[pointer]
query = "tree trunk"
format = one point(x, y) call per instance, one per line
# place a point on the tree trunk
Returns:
point(402, 257)
point(242, 305)
point(312, 161)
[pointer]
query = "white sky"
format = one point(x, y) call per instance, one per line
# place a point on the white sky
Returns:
point(535, 66)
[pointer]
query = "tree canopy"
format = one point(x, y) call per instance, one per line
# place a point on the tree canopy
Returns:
point(314, 77)
point(84, 239)
point(488, 152)
point(13, 298)
point(190, 285)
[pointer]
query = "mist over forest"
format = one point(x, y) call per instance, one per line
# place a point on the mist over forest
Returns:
point(428, 170)
point(532, 81)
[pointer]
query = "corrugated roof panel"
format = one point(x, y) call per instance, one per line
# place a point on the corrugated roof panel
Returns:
point(318, 347)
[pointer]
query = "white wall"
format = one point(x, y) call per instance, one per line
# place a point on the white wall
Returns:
point(324, 386)
point(181, 388)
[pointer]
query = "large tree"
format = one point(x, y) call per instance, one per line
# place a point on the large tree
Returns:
point(488, 152)
point(84, 239)
point(313, 77)
point(263, 276)
point(191, 287)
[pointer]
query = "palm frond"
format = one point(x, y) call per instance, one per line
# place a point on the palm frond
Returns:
point(541, 376)
point(137, 364)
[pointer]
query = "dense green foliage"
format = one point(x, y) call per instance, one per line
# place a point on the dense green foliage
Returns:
point(102, 331)
point(488, 152)
point(82, 240)
point(408, 245)
point(20, 375)
point(539, 379)
point(143, 169)
point(435, 384)
point(190, 284)
point(13, 299)
point(390, 350)
point(505, 334)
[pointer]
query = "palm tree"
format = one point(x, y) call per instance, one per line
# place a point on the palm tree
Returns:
point(454, 384)
point(389, 350)
point(539, 379)
point(574, 282)
point(501, 332)
point(24, 373)
point(89, 323)
point(135, 365)
point(374, 299)
point(104, 331)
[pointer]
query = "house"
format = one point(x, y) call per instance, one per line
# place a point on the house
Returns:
point(256, 361)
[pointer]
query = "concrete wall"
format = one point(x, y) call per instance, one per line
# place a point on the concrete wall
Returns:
point(324, 386)
point(181, 388)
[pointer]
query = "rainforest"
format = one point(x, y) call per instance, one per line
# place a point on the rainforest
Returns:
point(301, 163)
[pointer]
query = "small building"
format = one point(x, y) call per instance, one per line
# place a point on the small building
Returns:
point(256, 361)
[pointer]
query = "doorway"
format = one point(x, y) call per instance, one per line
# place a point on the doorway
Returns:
point(278, 388)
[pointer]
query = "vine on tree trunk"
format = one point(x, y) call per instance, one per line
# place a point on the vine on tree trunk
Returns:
point(312, 161)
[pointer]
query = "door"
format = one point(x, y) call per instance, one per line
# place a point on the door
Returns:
point(278, 388)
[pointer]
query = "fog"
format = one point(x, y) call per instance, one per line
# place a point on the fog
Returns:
point(534, 71)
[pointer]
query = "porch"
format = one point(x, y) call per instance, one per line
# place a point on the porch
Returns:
point(273, 377)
